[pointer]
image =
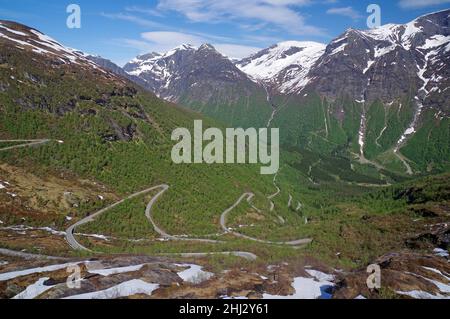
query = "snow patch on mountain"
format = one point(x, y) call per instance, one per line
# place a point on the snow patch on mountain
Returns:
point(40, 43)
point(155, 63)
point(284, 65)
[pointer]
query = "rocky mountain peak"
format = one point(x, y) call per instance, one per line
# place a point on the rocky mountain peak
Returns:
point(172, 73)
point(283, 66)
point(206, 47)
point(360, 63)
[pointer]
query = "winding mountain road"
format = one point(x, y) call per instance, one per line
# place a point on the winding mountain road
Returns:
point(249, 196)
point(161, 232)
point(74, 244)
point(148, 213)
point(70, 231)
point(27, 143)
point(403, 159)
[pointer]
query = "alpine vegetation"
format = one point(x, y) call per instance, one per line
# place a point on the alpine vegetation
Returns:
point(242, 146)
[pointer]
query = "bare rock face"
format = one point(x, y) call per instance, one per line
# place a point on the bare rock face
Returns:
point(403, 275)
point(111, 66)
point(388, 62)
point(188, 71)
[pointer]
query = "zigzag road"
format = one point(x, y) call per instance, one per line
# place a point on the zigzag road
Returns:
point(74, 244)
point(249, 196)
point(161, 232)
point(148, 212)
point(69, 232)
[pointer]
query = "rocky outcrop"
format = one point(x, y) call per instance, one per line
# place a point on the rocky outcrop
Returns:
point(388, 63)
point(187, 71)
point(403, 275)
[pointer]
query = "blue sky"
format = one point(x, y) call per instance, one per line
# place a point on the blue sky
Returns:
point(120, 30)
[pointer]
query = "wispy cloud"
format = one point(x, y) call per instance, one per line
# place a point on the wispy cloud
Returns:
point(415, 4)
point(132, 18)
point(166, 40)
point(236, 51)
point(279, 13)
point(144, 10)
point(141, 46)
point(163, 41)
point(348, 12)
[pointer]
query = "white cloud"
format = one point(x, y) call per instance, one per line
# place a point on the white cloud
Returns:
point(142, 46)
point(345, 12)
point(236, 51)
point(413, 4)
point(144, 10)
point(279, 13)
point(133, 19)
point(163, 41)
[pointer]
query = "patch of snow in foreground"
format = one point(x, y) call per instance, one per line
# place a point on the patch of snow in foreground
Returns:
point(360, 297)
point(125, 289)
point(444, 288)
point(19, 273)
point(437, 271)
point(309, 288)
point(233, 298)
point(34, 290)
point(305, 288)
point(194, 274)
point(321, 276)
point(3, 263)
point(440, 252)
point(113, 271)
point(419, 294)
point(23, 228)
point(2, 186)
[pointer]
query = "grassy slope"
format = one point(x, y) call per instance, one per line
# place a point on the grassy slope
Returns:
point(332, 127)
point(198, 193)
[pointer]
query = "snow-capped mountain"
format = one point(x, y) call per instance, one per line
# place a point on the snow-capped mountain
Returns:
point(284, 66)
point(322, 98)
point(388, 62)
point(114, 68)
point(187, 70)
point(138, 65)
point(385, 63)
point(33, 40)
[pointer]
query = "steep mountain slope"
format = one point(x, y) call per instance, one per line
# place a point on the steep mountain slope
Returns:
point(204, 80)
point(284, 66)
point(405, 67)
point(111, 66)
point(112, 133)
point(379, 96)
point(103, 138)
point(388, 62)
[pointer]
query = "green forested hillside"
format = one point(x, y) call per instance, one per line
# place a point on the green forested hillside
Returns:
point(114, 136)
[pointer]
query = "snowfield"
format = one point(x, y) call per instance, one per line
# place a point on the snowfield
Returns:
point(194, 274)
point(291, 60)
point(309, 288)
point(125, 289)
